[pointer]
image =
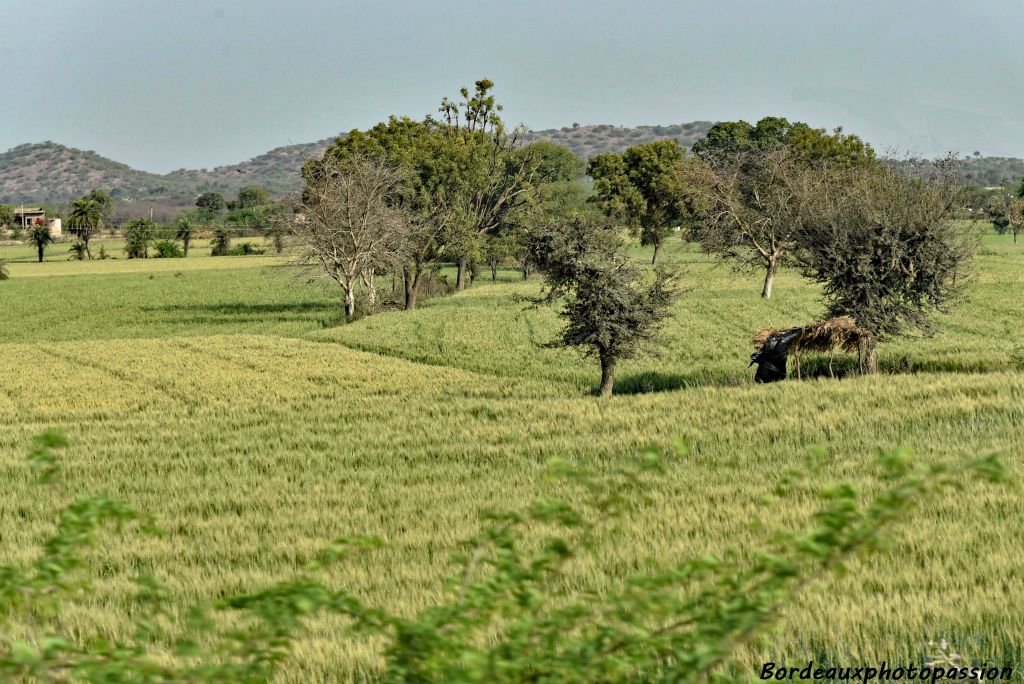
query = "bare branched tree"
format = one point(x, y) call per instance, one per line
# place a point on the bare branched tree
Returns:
point(751, 206)
point(348, 224)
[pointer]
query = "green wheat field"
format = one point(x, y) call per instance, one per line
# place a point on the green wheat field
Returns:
point(222, 396)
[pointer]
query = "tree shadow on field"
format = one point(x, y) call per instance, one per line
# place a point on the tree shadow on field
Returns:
point(228, 313)
point(650, 382)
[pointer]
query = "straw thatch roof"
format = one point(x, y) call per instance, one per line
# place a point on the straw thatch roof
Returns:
point(839, 333)
point(827, 336)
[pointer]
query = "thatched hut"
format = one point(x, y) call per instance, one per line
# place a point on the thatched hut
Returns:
point(840, 333)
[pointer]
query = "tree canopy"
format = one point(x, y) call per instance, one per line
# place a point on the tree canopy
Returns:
point(885, 248)
point(642, 187)
point(730, 139)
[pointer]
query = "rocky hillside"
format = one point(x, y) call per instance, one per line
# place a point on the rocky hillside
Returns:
point(49, 173)
point(588, 141)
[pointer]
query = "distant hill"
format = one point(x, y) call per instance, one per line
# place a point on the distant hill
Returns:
point(49, 173)
point(588, 141)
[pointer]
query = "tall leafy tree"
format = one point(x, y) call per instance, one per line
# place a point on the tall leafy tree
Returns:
point(210, 205)
point(641, 186)
point(727, 140)
point(753, 183)
point(464, 164)
point(250, 197)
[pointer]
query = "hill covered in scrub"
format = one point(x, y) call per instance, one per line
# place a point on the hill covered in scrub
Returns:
point(588, 141)
point(50, 173)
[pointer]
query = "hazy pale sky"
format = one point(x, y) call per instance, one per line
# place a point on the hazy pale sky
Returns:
point(197, 83)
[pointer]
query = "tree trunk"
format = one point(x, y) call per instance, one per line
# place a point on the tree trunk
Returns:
point(369, 278)
point(41, 250)
point(184, 244)
point(350, 302)
point(871, 359)
point(460, 278)
point(88, 251)
point(657, 251)
point(607, 376)
point(1014, 237)
point(769, 277)
point(412, 283)
point(494, 271)
point(526, 270)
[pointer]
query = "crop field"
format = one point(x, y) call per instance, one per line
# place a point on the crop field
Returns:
point(222, 396)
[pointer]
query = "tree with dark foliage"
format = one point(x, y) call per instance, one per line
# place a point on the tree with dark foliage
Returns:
point(885, 248)
point(613, 309)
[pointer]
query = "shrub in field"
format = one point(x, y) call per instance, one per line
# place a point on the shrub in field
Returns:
point(611, 309)
point(220, 243)
point(167, 249)
point(78, 251)
point(184, 229)
point(504, 616)
point(138, 236)
point(245, 249)
point(885, 248)
point(40, 237)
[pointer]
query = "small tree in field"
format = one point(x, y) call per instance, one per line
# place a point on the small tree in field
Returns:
point(754, 182)
point(886, 249)
point(184, 230)
point(40, 237)
point(88, 214)
point(1015, 218)
point(220, 242)
point(612, 308)
point(347, 224)
point(138, 235)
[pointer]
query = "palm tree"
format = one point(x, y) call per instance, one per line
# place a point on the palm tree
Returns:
point(40, 237)
point(184, 227)
point(220, 244)
point(139, 235)
point(86, 218)
point(78, 251)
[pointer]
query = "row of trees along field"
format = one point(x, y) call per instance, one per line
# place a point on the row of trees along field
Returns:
point(407, 195)
point(90, 218)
